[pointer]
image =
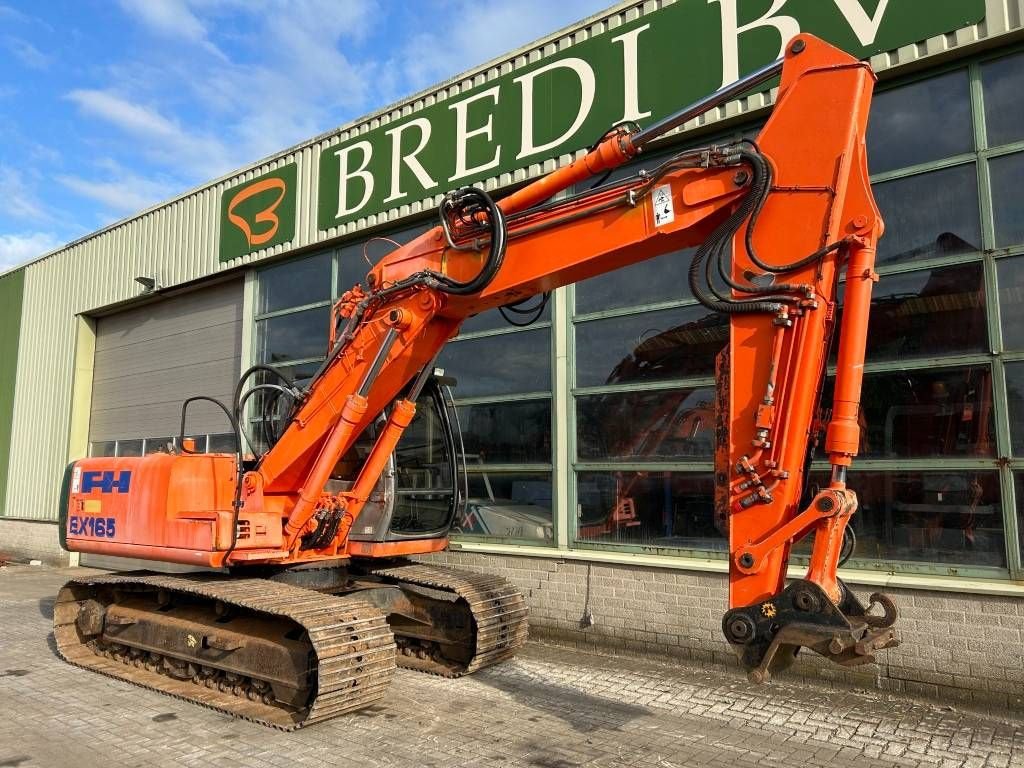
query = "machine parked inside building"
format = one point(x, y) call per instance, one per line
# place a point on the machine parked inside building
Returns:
point(315, 601)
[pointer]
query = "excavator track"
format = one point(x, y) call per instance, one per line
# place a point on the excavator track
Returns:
point(271, 653)
point(498, 615)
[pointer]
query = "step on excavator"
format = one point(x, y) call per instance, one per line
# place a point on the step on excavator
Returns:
point(310, 600)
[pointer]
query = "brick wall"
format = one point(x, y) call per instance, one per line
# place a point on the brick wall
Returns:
point(32, 540)
point(957, 648)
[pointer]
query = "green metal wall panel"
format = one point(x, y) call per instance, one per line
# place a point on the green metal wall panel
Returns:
point(12, 286)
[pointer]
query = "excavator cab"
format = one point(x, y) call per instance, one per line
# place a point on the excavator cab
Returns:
point(423, 487)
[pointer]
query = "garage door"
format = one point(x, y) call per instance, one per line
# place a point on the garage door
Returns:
point(149, 359)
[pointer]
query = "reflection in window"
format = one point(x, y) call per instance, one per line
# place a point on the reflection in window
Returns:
point(356, 259)
point(1002, 81)
point(674, 424)
point(921, 414)
point(103, 448)
point(295, 283)
point(492, 318)
point(651, 346)
point(1007, 174)
point(952, 518)
point(663, 278)
point(508, 505)
point(1015, 403)
point(500, 365)
point(423, 482)
point(159, 445)
point(926, 313)
point(902, 117)
point(293, 337)
point(129, 447)
point(929, 215)
point(507, 433)
point(1011, 301)
point(656, 508)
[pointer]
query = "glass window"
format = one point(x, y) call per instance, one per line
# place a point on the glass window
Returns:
point(295, 283)
point(1010, 273)
point(423, 479)
point(492, 318)
point(926, 313)
point(901, 132)
point(650, 346)
point(1015, 403)
point(508, 505)
point(927, 413)
point(929, 215)
point(356, 259)
point(507, 433)
point(500, 365)
point(221, 443)
point(103, 448)
point(952, 518)
point(655, 509)
point(159, 445)
point(1007, 174)
point(1003, 81)
point(673, 424)
point(129, 447)
point(663, 278)
point(292, 337)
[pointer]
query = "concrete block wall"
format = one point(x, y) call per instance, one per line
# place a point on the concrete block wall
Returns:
point(957, 648)
point(32, 540)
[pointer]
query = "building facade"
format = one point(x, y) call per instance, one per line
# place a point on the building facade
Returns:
point(588, 434)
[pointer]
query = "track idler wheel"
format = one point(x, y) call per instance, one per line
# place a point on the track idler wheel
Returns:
point(767, 636)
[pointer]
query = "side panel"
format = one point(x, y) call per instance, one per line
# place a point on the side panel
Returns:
point(12, 287)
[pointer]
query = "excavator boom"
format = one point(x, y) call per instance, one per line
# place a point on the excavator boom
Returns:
point(778, 225)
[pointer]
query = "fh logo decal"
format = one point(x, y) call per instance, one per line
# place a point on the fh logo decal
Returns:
point(266, 216)
point(102, 527)
point(106, 481)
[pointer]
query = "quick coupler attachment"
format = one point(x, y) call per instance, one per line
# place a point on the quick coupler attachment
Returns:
point(767, 636)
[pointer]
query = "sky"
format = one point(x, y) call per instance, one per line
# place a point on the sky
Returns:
point(110, 106)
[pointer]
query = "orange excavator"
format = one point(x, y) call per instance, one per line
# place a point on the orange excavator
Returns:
point(310, 599)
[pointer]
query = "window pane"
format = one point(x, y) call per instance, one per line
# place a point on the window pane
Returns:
point(355, 259)
point(222, 443)
point(159, 445)
point(295, 283)
point(928, 215)
point(508, 505)
point(129, 447)
point(952, 518)
point(507, 433)
point(1007, 174)
point(1015, 402)
point(292, 337)
point(663, 278)
point(105, 448)
point(902, 130)
point(1011, 301)
point(657, 509)
point(500, 365)
point(423, 475)
point(920, 414)
point(927, 313)
point(1003, 82)
point(674, 424)
point(491, 319)
point(651, 346)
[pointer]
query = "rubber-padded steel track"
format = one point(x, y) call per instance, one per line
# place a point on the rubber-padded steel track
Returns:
point(498, 609)
point(353, 647)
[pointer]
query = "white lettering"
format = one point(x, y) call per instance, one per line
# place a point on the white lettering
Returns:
point(345, 175)
point(864, 27)
point(463, 134)
point(410, 159)
point(630, 71)
point(587, 83)
point(787, 27)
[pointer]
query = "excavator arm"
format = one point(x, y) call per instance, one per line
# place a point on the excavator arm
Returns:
point(778, 224)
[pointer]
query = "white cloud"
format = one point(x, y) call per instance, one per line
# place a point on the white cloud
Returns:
point(173, 19)
point(20, 202)
point(27, 53)
point(122, 193)
point(19, 248)
point(159, 137)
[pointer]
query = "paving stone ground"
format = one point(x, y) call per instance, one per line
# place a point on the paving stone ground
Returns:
point(549, 708)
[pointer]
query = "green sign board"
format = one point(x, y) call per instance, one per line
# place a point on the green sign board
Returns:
point(258, 213)
point(641, 71)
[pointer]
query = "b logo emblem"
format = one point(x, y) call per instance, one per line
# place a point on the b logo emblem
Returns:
point(265, 216)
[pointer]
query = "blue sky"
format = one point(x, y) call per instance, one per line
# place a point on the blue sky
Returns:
point(107, 106)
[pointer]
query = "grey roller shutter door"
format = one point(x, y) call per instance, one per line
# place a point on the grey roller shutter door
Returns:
point(149, 359)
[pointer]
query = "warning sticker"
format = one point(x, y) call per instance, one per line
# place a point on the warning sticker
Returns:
point(663, 211)
point(76, 480)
